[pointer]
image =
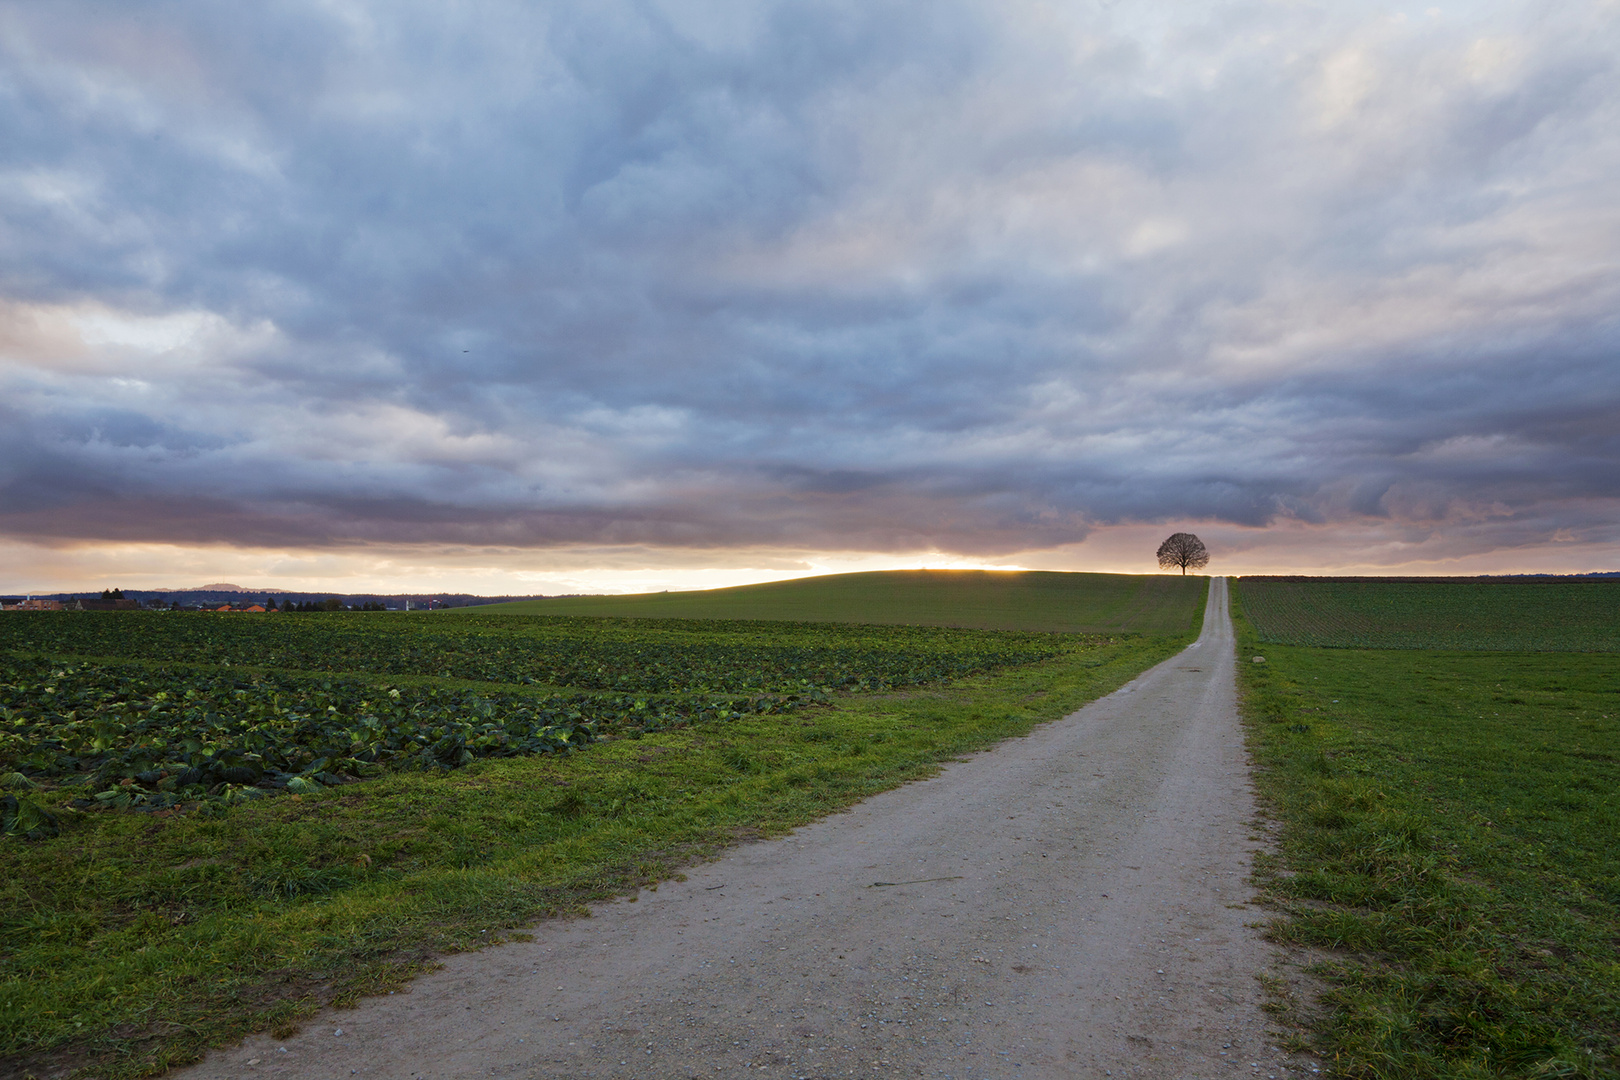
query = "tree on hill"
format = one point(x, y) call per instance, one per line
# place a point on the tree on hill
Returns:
point(1184, 550)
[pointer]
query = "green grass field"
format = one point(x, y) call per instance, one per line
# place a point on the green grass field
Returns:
point(1448, 839)
point(988, 599)
point(1563, 616)
point(258, 816)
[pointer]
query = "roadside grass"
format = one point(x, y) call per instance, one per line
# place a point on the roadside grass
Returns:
point(1523, 616)
point(985, 599)
point(135, 942)
point(1448, 826)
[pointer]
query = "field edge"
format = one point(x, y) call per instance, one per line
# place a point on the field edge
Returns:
point(939, 724)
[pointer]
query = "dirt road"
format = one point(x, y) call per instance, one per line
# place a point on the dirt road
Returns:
point(1071, 904)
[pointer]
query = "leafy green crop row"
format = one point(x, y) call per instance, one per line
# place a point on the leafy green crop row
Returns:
point(132, 736)
point(135, 942)
point(1510, 616)
point(153, 734)
point(633, 656)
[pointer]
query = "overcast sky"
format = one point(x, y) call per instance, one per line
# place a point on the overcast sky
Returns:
point(532, 296)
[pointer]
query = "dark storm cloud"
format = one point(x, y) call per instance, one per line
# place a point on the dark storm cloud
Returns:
point(879, 276)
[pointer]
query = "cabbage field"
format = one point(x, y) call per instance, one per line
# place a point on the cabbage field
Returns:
point(149, 711)
point(217, 823)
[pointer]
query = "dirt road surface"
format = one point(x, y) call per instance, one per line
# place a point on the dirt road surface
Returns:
point(1070, 904)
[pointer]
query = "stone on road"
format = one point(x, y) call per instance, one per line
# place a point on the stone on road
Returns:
point(1072, 903)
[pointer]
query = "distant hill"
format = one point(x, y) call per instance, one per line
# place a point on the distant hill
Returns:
point(214, 595)
point(989, 599)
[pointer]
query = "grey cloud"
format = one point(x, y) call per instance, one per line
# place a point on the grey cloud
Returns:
point(881, 275)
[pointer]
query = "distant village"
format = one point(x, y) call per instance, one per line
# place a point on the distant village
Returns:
point(240, 601)
point(115, 600)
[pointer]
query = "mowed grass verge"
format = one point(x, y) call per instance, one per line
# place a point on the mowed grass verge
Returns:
point(985, 599)
point(1448, 824)
point(135, 942)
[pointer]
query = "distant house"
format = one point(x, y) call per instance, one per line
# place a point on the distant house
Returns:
point(10, 603)
point(32, 604)
point(254, 607)
point(107, 605)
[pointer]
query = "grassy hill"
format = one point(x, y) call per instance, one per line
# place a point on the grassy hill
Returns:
point(1571, 615)
point(987, 599)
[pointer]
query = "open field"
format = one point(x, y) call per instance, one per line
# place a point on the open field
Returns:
point(1447, 839)
point(642, 656)
point(1530, 616)
point(988, 599)
point(208, 862)
point(1068, 905)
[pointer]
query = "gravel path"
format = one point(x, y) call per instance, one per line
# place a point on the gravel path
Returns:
point(1070, 904)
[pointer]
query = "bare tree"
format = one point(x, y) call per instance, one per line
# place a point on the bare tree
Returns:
point(1184, 550)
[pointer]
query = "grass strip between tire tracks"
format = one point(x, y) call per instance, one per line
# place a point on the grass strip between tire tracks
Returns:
point(133, 943)
point(1447, 847)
